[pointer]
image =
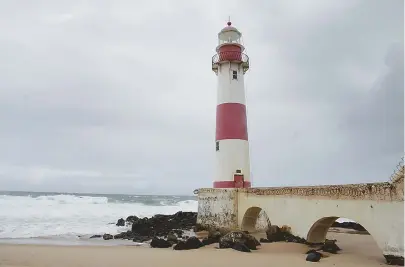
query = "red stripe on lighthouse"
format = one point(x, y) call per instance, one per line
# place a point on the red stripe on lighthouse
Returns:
point(231, 121)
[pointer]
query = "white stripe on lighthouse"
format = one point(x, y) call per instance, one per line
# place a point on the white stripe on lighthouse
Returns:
point(233, 155)
point(230, 90)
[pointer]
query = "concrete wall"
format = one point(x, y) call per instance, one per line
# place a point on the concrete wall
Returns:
point(311, 218)
point(217, 208)
point(311, 210)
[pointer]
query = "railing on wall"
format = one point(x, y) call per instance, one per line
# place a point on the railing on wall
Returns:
point(398, 172)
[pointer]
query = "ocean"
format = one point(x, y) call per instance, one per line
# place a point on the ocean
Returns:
point(70, 219)
point(65, 216)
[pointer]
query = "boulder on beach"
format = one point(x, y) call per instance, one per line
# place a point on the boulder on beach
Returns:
point(313, 256)
point(213, 237)
point(241, 247)
point(231, 238)
point(394, 260)
point(160, 243)
point(330, 246)
point(277, 234)
point(191, 243)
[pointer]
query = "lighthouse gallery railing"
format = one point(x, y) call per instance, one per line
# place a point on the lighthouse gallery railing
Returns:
point(231, 56)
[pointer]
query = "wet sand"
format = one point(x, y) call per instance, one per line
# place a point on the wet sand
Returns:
point(357, 250)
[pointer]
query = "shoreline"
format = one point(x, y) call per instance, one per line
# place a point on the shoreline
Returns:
point(87, 241)
point(357, 250)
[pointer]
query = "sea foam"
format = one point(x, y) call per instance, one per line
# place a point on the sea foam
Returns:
point(69, 216)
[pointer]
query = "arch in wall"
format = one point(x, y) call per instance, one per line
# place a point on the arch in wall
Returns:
point(255, 219)
point(319, 231)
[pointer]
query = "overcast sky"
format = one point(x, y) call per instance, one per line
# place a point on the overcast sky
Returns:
point(119, 97)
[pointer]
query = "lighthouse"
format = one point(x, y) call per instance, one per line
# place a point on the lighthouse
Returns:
point(231, 138)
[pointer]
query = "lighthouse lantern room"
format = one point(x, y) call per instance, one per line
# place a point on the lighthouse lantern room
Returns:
point(231, 139)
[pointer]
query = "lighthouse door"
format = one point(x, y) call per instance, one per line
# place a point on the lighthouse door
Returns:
point(239, 180)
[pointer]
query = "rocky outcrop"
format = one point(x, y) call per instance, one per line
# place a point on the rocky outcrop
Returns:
point(144, 229)
point(277, 234)
point(394, 260)
point(230, 239)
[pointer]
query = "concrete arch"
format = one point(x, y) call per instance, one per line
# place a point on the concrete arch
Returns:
point(255, 219)
point(318, 231)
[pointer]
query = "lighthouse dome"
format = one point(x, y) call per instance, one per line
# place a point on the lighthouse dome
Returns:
point(229, 34)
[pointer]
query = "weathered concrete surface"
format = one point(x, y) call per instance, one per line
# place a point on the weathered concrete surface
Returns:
point(311, 210)
point(217, 208)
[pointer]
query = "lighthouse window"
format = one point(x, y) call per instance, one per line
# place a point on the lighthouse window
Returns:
point(217, 146)
point(234, 75)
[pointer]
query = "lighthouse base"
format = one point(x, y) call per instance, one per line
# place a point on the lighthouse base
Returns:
point(217, 209)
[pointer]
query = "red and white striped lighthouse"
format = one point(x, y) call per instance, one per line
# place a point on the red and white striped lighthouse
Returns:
point(232, 147)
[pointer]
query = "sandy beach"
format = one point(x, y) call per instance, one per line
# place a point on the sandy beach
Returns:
point(357, 250)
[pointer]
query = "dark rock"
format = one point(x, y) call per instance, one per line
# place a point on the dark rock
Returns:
point(178, 232)
point(124, 235)
point(241, 247)
point(120, 236)
point(230, 239)
point(161, 225)
point(193, 243)
point(120, 222)
point(171, 237)
point(330, 246)
point(208, 241)
point(159, 243)
point(313, 257)
point(131, 219)
point(181, 245)
point(312, 251)
point(215, 235)
point(96, 236)
point(107, 237)
point(275, 234)
point(394, 260)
